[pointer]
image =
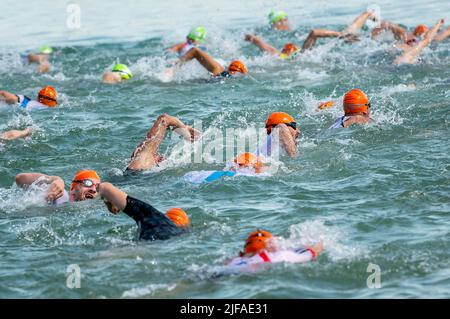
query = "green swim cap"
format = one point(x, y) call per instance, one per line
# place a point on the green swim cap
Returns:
point(197, 34)
point(123, 71)
point(275, 16)
point(46, 50)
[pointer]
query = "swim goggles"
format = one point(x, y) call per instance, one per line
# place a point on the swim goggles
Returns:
point(86, 182)
point(46, 98)
point(291, 124)
point(412, 41)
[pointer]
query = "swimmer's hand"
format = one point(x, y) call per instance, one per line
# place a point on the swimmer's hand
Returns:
point(249, 37)
point(188, 132)
point(55, 190)
point(111, 207)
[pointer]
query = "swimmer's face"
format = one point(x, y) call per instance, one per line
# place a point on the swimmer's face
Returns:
point(294, 132)
point(191, 41)
point(283, 24)
point(83, 192)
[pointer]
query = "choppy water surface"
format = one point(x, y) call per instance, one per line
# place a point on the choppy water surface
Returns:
point(377, 195)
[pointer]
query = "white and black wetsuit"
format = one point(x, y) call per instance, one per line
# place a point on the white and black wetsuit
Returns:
point(153, 224)
point(254, 263)
point(339, 123)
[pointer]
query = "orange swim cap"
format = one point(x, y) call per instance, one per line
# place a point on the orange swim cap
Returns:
point(256, 241)
point(178, 217)
point(249, 160)
point(420, 29)
point(237, 66)
point(289, 48)
point(82, 175)
point(48, 96)
point(246, 159)
point(278, 118)
point(355, 101)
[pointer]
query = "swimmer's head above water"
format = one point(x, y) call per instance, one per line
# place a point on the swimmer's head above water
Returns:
point(278, 20)
point(289, 48)
point(48, 96)
point(256, 242)
point(124, 72)
point(237, 66)
point(179, 217)
point(84, 185)
point(45, 50)
point(120, 72)
point(356, 102)
point(196, 35)
point(249, 160)
point(278, 118)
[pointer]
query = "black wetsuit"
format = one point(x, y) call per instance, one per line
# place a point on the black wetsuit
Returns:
point(152, 223)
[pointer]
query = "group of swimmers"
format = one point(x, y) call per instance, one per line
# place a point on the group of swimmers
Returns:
point(260, 246)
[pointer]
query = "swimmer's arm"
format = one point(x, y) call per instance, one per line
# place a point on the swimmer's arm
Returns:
point(37, 58)
point(114, 198)
point(26, 179)
point(287, 140)
point(204, 59)
point(54, 191)
point(318, 33)
point(188, 132)
point(261, 44)
point(8, 97)
point(44, 67)
point(399, 32)
point(15, 134)
point(410, 56)
point(176, 47)
point(441, 36)
point(145, 155)
point(358, 23)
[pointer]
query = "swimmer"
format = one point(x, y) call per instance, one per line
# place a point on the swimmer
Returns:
point(84, 186)
point(278, 20)
point(280, 127)
point(41, 58)
point(214, 67)
point(15, 134)
point(410, 55)
point(356, 108)
point(47, 98)
point(145, 155)
point(290, 50)
point(261, 248)
point(195, 37)
point(119, 73)
point(152, 224)
point(405, 39)
point(247, 164)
